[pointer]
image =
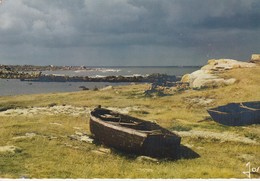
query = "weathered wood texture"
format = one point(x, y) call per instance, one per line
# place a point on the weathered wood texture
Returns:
point(133, 135)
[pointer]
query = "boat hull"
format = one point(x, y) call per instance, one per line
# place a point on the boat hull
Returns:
point(135, 141)
point(237, 114)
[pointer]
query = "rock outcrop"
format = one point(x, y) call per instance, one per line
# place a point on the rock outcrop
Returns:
point(255, 58)
point(208, 76)
point(226, 64)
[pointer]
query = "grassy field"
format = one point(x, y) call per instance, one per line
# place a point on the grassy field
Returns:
point(50, 153)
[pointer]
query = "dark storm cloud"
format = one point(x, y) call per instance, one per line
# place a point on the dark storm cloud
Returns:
point(127, 32)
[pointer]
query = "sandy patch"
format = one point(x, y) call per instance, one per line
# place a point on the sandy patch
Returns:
point(67, 110)
point(125, 110)
point(224, 136)
point(26, 136)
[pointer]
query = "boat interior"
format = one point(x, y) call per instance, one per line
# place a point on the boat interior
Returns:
point(127, 121)
point(238, 107)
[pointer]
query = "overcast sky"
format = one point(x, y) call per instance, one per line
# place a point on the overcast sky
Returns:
point(127, 32)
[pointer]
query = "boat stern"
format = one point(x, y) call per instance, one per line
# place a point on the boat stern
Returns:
point(162, 146)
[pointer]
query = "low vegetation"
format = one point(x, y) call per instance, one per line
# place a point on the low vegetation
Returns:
point(47, 151)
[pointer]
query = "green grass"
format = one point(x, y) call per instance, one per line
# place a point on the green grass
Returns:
point(181, 128)
point(44, 157)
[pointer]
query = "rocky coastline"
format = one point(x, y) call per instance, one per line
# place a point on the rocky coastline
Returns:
point(34, 74)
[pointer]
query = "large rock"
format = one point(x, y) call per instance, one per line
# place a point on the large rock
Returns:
point(226, 64)
point(255, 58)
point(203, 79)
point(186, 78)
point(207, 76)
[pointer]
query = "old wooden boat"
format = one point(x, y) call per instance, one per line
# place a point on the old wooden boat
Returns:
point(237, 114)
point(133, 135)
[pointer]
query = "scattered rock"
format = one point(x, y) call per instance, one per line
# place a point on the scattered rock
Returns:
point(78, 133)
point(52, 137)
point(11, 149)
point(86, 139)
point(83, 88)
point(73, 137)
point(98, 152)
point(26, 136)
point(189, 145)
point(105, 150)
point(107, 88)
point(147, 159)
point(67, 110)
point(201, 101)
point(58, 124)
point(30, 135)
point(102, 151)
point(79, 136)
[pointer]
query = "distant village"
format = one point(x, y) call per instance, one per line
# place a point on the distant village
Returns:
point(25, 68)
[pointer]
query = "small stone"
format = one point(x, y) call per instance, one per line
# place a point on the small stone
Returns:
point(74, 137)
point(86, 139)
point(105, 150)
point(53, 137)
point(30, 135)
point(98, 152)
point(12, 149)
point(230, 81)
point(147, 159)
point(78, 133)
point(107, 88)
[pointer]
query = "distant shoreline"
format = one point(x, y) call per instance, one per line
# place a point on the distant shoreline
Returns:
point(26, 68)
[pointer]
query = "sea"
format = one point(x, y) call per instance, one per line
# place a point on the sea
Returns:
point(10, 87)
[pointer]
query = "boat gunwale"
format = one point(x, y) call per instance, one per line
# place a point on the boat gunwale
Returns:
point(240, 104)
